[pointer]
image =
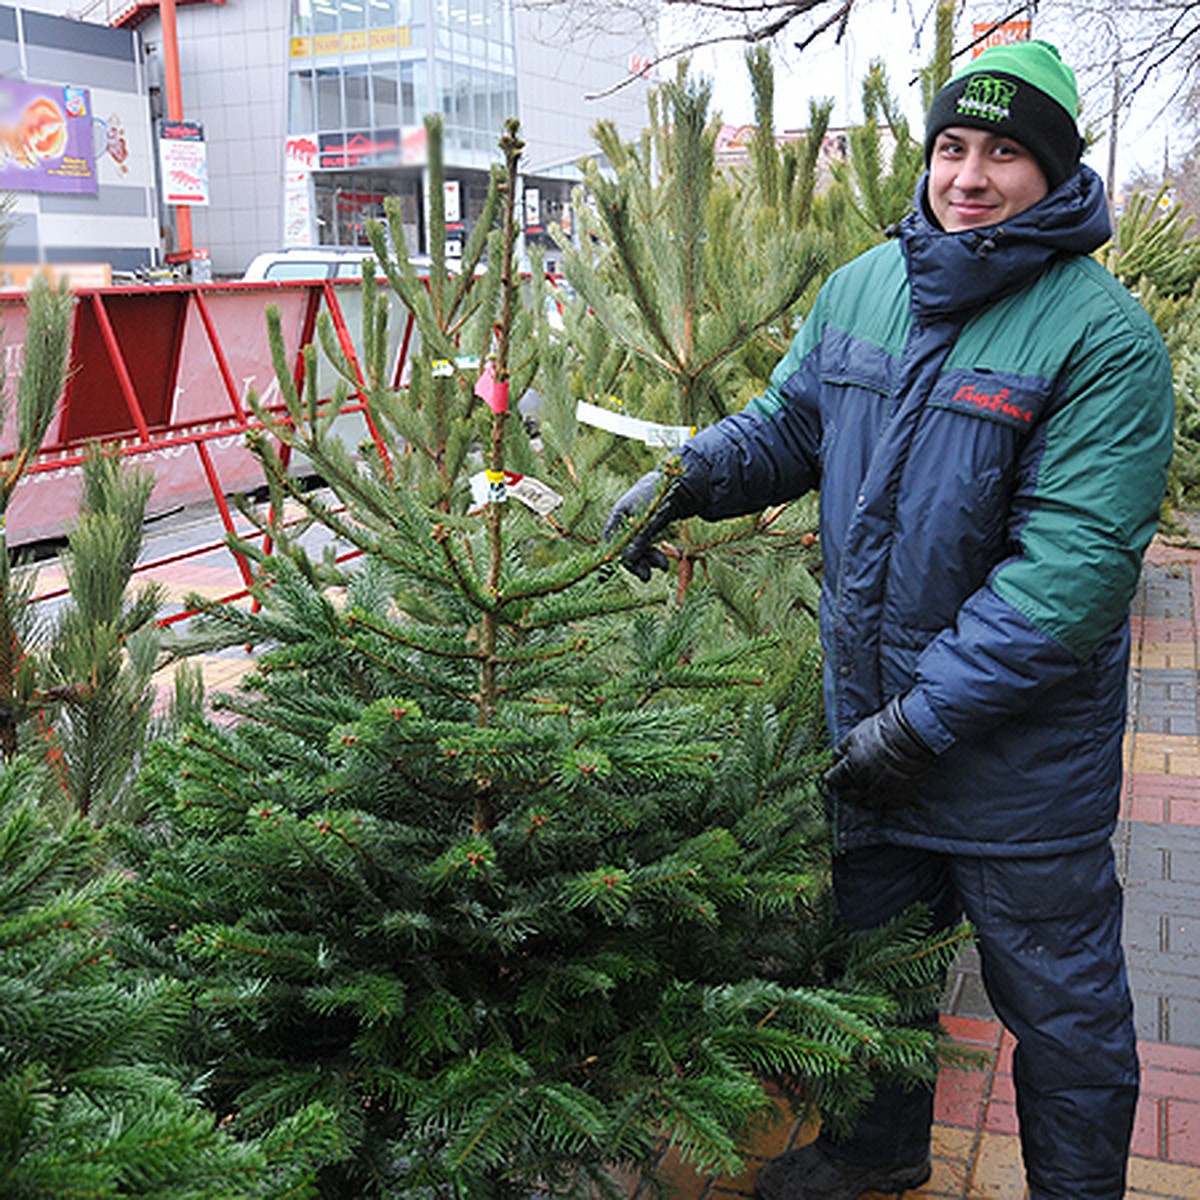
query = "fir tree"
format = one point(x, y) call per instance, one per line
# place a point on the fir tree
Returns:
point(494, 857)
point(88, 1107)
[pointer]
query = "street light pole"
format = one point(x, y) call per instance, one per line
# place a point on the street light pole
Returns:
point(184, 252)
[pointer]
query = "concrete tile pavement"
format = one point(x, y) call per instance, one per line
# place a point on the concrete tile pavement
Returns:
point(976, 1151)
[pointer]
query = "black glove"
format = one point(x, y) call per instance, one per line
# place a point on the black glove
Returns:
point(878, 763)
point(641, 556)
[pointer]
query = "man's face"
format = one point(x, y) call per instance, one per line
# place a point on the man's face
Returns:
point(977, 178)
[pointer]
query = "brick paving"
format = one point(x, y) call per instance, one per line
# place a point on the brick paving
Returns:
point(976, 1152)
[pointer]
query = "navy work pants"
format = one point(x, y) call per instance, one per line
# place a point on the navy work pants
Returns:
point(1049, 937)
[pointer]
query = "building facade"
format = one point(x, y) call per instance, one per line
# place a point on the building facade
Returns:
point(313, 112)
point(76, 154)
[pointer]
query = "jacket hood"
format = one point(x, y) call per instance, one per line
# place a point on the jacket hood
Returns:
point(953, 273)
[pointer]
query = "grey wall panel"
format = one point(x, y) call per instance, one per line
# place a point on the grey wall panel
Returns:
point(82, 70)
point(121, 260)
point(20, 245)
point(108, 201)
point(89, 39)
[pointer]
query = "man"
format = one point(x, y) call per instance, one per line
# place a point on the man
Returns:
point(988, 416)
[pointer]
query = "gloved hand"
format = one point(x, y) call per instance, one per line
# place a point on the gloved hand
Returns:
point(878, 763)
point(641, 556)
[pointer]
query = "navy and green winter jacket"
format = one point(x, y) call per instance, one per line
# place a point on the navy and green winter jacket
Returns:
point(988, 417)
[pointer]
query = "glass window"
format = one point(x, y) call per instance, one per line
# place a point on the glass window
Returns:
point(324, 16)
point(422, 94)
point(358, 98)
point(329, 99)
point(285, 271)
point(385, 81)
point(354, 14)
point(301, 109)
point(481, 117)
point(302, 18)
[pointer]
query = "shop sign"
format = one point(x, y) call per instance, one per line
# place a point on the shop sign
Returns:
point(359, 149)
point(452, 190)
point(355, 41)
point(46, 142)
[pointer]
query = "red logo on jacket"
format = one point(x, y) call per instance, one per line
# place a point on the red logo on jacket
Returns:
point(996, 402)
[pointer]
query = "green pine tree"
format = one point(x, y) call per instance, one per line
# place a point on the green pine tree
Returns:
point(499, 860)
point(689, 281)
point(96, 692)
point(43, 371)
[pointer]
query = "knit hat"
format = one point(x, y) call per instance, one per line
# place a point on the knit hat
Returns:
point(1022, 91)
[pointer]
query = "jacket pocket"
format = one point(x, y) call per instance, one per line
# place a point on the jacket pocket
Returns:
point(847, 361)
point(1015, 401)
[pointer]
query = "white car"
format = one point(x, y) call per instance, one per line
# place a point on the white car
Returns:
point(315, 262)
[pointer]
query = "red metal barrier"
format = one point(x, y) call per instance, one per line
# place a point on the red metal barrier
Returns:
point(164, 372)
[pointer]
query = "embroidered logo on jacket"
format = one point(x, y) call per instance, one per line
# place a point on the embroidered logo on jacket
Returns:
point(997, 402)
point(987, 97)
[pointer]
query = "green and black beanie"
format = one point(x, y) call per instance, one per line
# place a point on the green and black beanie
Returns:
point(1022, 91)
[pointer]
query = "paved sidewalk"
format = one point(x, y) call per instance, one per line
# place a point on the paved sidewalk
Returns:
point(976, 1153)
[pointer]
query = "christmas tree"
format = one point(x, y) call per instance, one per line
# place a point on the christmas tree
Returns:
point(88, 1103)
point(507, 864)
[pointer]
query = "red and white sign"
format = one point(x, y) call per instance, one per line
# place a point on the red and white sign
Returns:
point(184, 159)
point(989, 34)
point(300, 156)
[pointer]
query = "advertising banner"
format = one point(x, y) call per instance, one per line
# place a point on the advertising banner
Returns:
point(299, 157)
point(184, 163)
point(46, 139)
point(123, 140)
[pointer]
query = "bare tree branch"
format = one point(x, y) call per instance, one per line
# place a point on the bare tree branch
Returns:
point(1148, 43)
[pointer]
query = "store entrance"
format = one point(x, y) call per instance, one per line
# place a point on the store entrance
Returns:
point(347, 200)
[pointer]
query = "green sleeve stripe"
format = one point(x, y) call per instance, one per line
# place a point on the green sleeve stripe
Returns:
point(1095, 502)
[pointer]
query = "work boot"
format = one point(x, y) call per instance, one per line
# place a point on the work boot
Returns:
point(811, 1173)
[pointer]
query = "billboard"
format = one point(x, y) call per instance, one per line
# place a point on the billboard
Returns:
point(46, 142)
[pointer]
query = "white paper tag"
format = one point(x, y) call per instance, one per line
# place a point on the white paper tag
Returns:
point(485, 490)
point(539, 496)
point(443, 366)
point(648, 432)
